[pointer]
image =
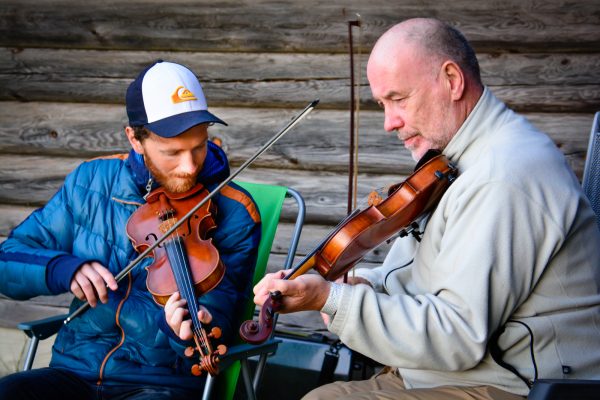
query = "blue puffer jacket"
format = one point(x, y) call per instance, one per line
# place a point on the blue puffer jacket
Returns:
point(127, 340)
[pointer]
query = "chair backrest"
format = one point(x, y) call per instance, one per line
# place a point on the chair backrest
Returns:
point(591, 171)
point(269, 199)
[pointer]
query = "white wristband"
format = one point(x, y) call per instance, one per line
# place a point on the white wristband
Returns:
point(333, 300)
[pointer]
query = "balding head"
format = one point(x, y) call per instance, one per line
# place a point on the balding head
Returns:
point(425, 76)
point(432, 39)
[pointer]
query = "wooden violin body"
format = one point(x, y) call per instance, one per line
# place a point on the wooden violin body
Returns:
point(363, 231)
point(186, 262)
point(151, 220)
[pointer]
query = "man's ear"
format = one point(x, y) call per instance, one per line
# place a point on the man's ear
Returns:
point(454, 78)
point(136, 144)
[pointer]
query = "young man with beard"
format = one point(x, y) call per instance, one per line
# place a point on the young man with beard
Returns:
point(126, 346)
point(503, 285)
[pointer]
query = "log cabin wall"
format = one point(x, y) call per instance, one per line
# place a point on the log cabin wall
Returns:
point(65, 65)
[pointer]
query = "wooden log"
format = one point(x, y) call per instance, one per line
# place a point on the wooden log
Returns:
point(319, 143)
point(550, 98)
point(124, 64)
point(61, 300)
point(11, 216)
point(288, 26)
point(295, 94)
point(19, 172)
point(65, 65)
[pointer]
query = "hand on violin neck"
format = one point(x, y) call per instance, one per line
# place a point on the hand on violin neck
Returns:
point(176, 315)
point(304, 293)
point(91, 283)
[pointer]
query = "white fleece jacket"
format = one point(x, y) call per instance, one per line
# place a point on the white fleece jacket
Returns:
point(513, 239)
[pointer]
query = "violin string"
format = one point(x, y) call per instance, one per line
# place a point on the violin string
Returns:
point(190, 295)
point(192, 304)
point(185, 281)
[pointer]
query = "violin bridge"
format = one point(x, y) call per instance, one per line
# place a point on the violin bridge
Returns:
point(165, 225)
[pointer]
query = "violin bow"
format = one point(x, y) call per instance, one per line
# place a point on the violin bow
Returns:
point(354, 107)
point(354, 104)
point(242, 167)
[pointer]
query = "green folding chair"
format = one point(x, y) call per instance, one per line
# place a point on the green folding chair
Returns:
point(270, 199)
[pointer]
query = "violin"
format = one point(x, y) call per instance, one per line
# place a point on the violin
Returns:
point(186, 261)
point(361, 232)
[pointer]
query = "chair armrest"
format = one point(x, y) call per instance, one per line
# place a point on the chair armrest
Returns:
point(242, 351)
point(558, 389)
point(42, 328)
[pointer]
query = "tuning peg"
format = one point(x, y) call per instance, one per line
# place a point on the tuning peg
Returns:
point(196, 370)
point(215, 333)
point(189, 351)
point(221, 349)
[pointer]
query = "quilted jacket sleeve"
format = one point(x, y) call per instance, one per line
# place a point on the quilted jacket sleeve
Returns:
point(45, 236)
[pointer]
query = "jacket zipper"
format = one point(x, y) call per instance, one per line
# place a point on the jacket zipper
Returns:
point(101, 373)
point(148, 186)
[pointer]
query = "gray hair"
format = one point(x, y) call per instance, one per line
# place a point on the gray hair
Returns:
point(441, 40)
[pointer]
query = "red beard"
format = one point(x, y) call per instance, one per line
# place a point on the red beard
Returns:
point(174, 183)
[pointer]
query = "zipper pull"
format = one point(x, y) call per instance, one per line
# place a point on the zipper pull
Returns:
point(148, 188)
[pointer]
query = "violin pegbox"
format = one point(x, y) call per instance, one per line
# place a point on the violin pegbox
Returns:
point(207, 361)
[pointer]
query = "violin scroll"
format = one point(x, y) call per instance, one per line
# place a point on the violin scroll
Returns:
point(256, 332)
point(208, 362)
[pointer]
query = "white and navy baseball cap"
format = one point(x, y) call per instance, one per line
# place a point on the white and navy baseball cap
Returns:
point(167, 99)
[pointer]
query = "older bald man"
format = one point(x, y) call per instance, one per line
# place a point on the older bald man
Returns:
point(502, 286)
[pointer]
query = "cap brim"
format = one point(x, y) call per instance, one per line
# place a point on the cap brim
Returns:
point(179, 123)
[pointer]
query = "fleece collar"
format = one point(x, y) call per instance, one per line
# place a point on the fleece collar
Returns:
point(465, 148)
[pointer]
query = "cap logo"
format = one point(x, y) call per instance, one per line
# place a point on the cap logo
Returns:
point(181, 94)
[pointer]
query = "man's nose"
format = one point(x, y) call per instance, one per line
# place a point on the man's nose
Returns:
point(392, 122)
point(187, 164)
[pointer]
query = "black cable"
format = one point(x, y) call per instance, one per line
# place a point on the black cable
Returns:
point(497, 353)
point(535, 370)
